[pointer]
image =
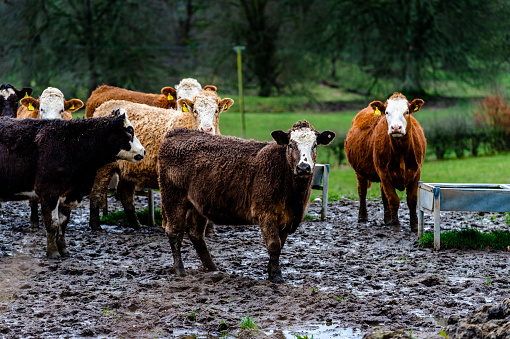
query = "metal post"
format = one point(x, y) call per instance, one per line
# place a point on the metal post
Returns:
point(420, 213)
point(238, 49)
point(437, 219)
point(150, 195)
point(325, 184)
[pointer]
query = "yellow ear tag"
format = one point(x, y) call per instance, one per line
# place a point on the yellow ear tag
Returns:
point(124, 123)
point(184, 108)
point(225, 108)
point(30, 107)
point(170, 97)
point(377, 112)
point(416, 108)
point(26, 95)
point(72, 107)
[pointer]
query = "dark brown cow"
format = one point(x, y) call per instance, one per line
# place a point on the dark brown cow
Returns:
point(46, 159)
point(9, 98)
point(386, 144)
point(232, 181)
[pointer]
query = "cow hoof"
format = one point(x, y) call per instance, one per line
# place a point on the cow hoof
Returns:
point(276, 278)
point(34, 225)
point(414, 228)
point(53, 255)
point(64, 252)
point(362, 220)
point(179, 270)
point(97, 229)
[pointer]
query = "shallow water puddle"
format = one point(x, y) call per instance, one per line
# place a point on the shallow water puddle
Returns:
point(318, 331)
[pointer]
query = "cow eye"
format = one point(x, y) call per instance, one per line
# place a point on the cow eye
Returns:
point(291, 147)
point(130, 130)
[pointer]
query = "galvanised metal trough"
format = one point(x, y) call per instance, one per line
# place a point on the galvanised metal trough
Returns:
point(436, 197)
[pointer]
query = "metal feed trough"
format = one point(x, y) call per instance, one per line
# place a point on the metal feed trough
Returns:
point(434, 198)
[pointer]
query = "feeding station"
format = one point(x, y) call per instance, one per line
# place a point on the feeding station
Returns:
point(433, 198)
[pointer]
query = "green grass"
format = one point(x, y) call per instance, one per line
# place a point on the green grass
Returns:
point(469, 238)
point(115, 217)
point(247, 322)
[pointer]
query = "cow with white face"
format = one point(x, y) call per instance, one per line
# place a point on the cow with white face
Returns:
point(50, 105)
point(397, 111)
point(206, 106)
point(187, 89)
point(9, 97)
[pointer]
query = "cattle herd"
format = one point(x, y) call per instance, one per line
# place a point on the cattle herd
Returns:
point(171, 141)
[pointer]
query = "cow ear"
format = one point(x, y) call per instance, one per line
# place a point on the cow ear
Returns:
point(73, 105)
point(170, 93)
point(325, 138)
point(30, 103)
point(415, 105)
point(23, 93)
point(186, 105)
point(281, 137)
point(210, 88)
point(225, 104)
point(378, 107)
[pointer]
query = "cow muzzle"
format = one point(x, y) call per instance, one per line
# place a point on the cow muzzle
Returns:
point(397, 131)
point(206, 129)
point(303, 169)
point(140, 156)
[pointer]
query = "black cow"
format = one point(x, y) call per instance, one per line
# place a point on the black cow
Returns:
point(57, 161)
point(9, 98)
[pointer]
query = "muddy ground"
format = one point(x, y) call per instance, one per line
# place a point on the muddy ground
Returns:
point(342, 279)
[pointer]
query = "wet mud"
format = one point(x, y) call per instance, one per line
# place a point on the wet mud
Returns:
point(342, 279)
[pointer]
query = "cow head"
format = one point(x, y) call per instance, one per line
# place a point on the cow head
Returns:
point(9, 97)
point(171, 96)
point(131, 148)
point(206, 108)
point(187, 89)
point(51, 104)
point(397, 111)
point(301, 142)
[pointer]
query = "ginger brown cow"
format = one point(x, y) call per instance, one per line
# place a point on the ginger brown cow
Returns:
point(167, 98)
point(386, 144)
point(232, 181)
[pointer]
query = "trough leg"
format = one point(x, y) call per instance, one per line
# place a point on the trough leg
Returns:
point(274, 247)
point(362, 193)
point(49, 209)
point(196, 231)
point(437, 219)
point(126, 192)
point(420, 217)
point(34, 213)
point(99, 190)
point(412, 201)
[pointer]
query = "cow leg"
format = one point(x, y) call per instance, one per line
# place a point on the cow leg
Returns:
point(196, 230)
point(126, 193)
point(412, 202)
point(274, 247)
point(209, 229)
point(49, 209)
point(386, 208)
point(34, 213)
point(98, 192)
point(393, 202)
point(362, 193)
point(64, 215)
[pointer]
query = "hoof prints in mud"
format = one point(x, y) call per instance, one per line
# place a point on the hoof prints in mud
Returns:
point(363, 276)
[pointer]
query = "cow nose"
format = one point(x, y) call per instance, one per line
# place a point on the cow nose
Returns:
point(206, 129)
point(303, 168)
point(139, 157)
point(396, 129)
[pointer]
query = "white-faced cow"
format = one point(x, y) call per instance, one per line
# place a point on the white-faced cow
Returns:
point(9, 98)
point(232, 181)
point(386, 144)
point(47, 159)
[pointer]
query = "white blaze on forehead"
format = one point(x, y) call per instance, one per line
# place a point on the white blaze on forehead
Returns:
point(7, 92)
point(305, 140)
point(395, 113)
point(206, 106)
point(51, 104)
point(187, 89)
